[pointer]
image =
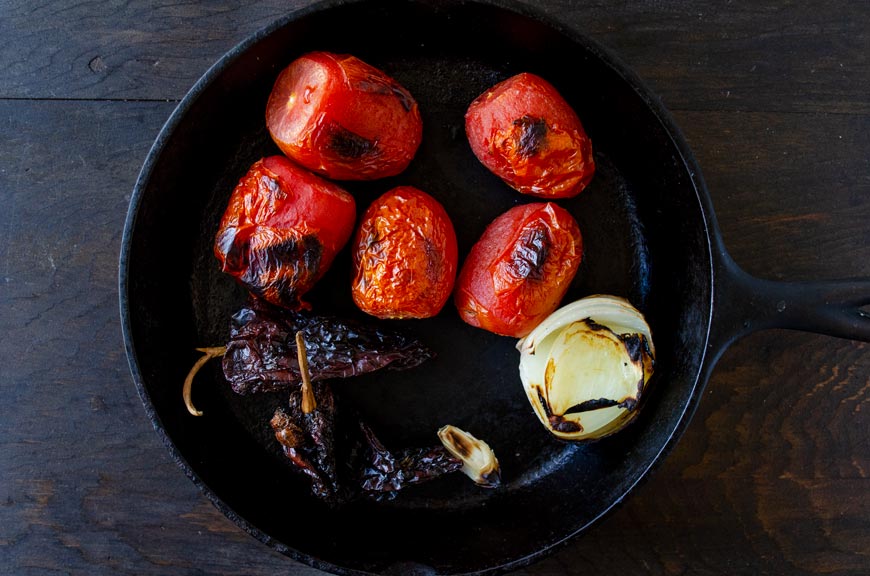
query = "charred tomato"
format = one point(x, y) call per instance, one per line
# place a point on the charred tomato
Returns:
point(281, 230)
point(519, 270)
point(340, 117)
point(404, 256)
point(530, 137)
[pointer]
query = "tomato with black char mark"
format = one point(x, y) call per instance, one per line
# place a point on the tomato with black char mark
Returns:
point(281, 230)
point(520, 269)
point(523, 131)
point(342, 118)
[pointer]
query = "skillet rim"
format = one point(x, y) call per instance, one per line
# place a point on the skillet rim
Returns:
point(689, 164)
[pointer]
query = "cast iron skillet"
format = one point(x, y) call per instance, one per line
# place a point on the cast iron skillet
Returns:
point(650, 236)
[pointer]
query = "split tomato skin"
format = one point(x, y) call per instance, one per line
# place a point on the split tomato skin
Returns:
point(342, 118)
point(520, 269)
point(523, 131)
point(404, 256)
point(281, 230)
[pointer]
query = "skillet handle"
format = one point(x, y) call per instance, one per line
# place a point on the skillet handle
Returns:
point(744, 303)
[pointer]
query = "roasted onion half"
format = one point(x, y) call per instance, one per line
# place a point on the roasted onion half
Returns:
point(586, 367)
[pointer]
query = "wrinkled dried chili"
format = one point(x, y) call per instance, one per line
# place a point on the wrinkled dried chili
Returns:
point(272, 350)
point(368, 469)
point(385, 473)
point(308, 440)
point(261, 355)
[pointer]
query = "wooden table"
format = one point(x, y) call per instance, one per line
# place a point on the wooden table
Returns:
point(773, 474)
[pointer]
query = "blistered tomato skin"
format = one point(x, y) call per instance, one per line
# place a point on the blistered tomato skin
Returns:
point(281, 230)
point(530, 137)
point(520, 269)
point(342, 118)
point(404, 256)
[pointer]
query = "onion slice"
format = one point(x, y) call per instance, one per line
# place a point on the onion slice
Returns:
point(586, 366)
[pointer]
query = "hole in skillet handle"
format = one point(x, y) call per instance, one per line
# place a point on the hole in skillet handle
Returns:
point(650, 249)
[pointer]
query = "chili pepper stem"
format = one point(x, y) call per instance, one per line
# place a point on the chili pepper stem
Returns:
point(309, 404)
point(207, 354)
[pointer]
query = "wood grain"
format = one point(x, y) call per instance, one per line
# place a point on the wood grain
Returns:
point(85, 484)
point(788, 184)
point(771, 477)
point(135, 50)
point(703, 55)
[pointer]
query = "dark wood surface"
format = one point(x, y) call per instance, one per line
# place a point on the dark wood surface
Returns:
point(773, 474)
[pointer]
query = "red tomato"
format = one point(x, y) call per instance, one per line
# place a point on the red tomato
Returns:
point(527, 135)
point(340, 117)
point(404, 256)
point(520, 269)
point(281, 230)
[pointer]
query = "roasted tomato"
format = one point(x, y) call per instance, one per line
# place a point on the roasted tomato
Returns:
point(281, 230)
point(404, 256)
point(340, 117)
point(519, 270)
point(527, 135)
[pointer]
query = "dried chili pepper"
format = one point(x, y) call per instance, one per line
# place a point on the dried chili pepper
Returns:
point(385, 473)
point(308, 440)
point(281, 230)
point(340, 117)
point(404, 256)
point(530, 137)
point(344, 460)
point(261, 355)
point(519, 270)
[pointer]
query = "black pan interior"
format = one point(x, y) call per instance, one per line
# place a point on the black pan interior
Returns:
point(645, 236)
